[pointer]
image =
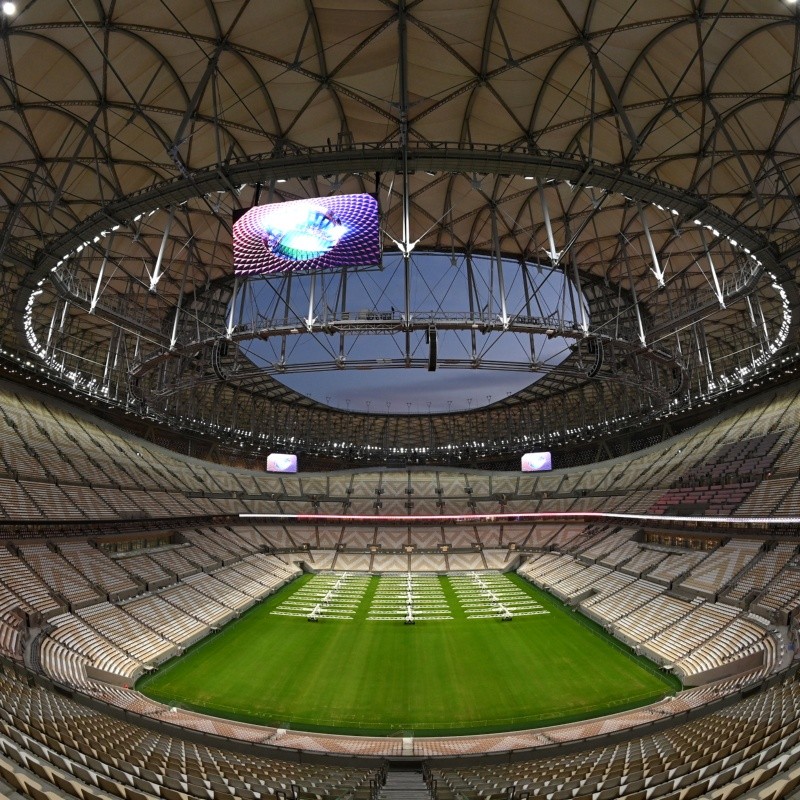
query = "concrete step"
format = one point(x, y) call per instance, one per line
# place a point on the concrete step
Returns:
point(404, 784)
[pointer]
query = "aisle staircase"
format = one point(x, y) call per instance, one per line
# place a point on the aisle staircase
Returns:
point(404, 782)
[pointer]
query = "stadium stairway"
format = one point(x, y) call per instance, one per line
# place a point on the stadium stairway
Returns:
point(8, 793)
point(404, 782)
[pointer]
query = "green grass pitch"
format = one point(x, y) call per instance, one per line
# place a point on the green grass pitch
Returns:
point(385, 678)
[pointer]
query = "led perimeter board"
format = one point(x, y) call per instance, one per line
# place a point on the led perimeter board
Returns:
point(314, 233)
point(537, 462)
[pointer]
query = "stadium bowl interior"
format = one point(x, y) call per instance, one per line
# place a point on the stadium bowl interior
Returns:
point(517, 298)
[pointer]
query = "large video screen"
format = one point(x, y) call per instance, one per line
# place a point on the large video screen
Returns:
point(281, 462)
point(315, 233)
point(537, 462)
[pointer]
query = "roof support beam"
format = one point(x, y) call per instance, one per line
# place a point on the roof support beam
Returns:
point(597, 67)
point(656, 270)
point(191, 109)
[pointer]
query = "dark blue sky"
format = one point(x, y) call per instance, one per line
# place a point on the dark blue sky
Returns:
point(438, 284)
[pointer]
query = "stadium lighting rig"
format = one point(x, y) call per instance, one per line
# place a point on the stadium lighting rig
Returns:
point(637, 332)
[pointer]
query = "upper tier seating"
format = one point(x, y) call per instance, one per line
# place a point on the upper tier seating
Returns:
point(60, 464)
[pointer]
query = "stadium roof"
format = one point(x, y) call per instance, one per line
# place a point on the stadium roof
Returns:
point(648, 151)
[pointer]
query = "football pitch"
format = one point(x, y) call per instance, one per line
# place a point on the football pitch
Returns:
point(458, 669)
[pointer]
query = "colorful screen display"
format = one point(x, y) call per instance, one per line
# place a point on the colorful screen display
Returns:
point(320, 232)
point(537, 462)
point(281, 462)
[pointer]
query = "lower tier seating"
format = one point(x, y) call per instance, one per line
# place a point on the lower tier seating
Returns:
point(122, 641)
point(749, 749)
point(693, 638)
point(82, 752)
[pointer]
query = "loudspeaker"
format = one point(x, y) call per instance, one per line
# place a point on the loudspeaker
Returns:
point(218, 350)
point(135, 389)
point(596, 348)
point(678, 376)
point(432, 339)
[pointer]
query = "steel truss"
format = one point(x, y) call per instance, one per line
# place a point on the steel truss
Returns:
point(641, 338)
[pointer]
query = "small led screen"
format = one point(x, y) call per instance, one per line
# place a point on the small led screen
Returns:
point(537, 462)
point(314, 233)
point(281, 462)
